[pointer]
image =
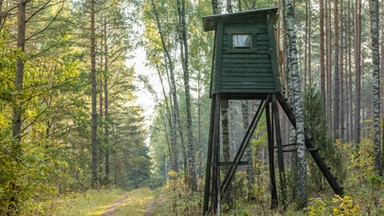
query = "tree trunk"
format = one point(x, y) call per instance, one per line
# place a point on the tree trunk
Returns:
point(1, 14)
point(297, 105)
point(329, 63)
point(381, 88)
point(341, 73)
point(229, 6)
point(307, 45)
point(336, 101)
point(173, 153)
point(199, 158)
point(374, 9)
point(357, 72)
point(350, 109)
point(101, 108)
point(94, 92)
point(191, 153)
point(239, 4)
point(21, 24)
point(309, 68)
point(168, 62)
point(215, 7)
point(248, 152)
point(322, 70)
point(228, 195)
point(106, 103)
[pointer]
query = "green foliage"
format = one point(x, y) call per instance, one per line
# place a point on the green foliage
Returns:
point(364, 187)
point(175, 199)
point(345, 206)
point(317, 129)
point(53, 157)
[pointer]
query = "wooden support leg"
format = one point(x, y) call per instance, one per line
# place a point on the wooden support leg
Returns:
point(276, 120)
point(274, 200)
point(215, 195)
point(207, 189)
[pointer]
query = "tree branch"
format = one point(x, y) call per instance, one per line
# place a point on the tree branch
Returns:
point(37, 11)
point(46, 27)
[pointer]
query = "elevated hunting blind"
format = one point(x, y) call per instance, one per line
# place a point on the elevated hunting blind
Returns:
point(245, 66)
point(245, 60)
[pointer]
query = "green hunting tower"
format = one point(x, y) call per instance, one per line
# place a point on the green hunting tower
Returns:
point(245, 66)
point(245, 61)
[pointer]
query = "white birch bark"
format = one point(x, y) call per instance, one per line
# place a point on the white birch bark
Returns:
point(172, 94)
point(301, 181)
point(374, 9)
point(184, 49)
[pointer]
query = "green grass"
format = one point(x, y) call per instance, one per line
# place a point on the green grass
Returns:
point(98, 202)
point(135, 203)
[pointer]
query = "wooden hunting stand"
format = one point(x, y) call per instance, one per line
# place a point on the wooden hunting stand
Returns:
point(245, 67)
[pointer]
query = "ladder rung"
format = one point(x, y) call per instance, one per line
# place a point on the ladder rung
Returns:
point(312, 149)
point(231, 163)
point(286, 145)
point(289, 150)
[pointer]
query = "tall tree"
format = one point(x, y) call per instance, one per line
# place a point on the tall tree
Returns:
point(185, 65)
point(349, 76)
point(374, 9)
point(21, 23)
point(173, 97)
point(322, 61)
point(341, 72)
point(357, 123)
point(307, 45)
point(336, 100)
point(106, 101)
point(297, 105)
point(94, 94)
point(328, 35)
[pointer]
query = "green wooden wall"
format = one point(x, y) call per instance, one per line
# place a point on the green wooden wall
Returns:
point(247, 70)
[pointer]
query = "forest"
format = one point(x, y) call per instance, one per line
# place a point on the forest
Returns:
point(106, 108)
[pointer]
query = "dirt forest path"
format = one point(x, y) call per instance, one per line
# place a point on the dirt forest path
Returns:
point(111, 209)
point(131, 204)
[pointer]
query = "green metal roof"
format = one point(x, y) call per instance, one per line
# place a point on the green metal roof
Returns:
point(210, 22)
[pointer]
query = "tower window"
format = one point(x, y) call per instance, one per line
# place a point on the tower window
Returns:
point(242, 41)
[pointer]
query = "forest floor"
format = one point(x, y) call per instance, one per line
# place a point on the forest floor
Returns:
point(113, 202)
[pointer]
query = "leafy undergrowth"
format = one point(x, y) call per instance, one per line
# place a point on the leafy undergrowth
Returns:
point(101, 202)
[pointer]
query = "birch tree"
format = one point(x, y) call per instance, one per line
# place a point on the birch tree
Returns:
point(170, 68)
point(374, 10)
point(184, 49)
point(301, 181)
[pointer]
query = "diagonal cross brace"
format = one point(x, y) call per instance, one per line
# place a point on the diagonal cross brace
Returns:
point(244, 144)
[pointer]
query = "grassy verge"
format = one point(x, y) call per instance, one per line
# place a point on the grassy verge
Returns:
point(99, 202)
